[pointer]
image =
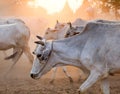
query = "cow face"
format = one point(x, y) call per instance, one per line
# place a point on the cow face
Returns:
point(71, 31)
point(59, 25)
point(40, 64)
point(50, 33)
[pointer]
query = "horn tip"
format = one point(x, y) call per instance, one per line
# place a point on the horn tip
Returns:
point(39, 37)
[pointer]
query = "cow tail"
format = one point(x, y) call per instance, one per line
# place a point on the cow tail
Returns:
point(11, 56)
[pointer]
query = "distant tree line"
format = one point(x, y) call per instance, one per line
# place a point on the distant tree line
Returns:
point(107, 6)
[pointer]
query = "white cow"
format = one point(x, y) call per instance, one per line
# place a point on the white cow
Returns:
point(59, 25)
point(60, 29)
point(78, 29)
point(79, 22)
point(10, 21)
point(55, 34)
point(15, 35)
point(96, 50)
point(74, 30)
point(60, 32)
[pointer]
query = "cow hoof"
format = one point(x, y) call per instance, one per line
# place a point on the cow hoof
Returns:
point(79, 92)
point(52, 81)
point(71, 80)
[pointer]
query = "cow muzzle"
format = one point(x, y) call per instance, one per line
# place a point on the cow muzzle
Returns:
point(34, 76)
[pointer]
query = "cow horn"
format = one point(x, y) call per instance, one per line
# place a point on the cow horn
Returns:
point(39, 42)
point(70, 24)
point(39, 37)
point(57, 21)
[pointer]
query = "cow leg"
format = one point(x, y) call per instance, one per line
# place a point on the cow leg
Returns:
point(16, 58)
point(53, 75)
point(67, 74)
point(28, 54)
point(93, 77)
point(14, 51)
point(105, 86)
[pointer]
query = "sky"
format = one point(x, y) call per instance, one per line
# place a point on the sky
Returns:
point(53, 6)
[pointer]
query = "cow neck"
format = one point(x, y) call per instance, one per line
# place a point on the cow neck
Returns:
point(50, 52)
point(70, 42)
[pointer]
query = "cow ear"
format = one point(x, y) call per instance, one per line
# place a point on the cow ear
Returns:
point(69, 23)
point(54, 30)
point(39, 42)
point(39, 37)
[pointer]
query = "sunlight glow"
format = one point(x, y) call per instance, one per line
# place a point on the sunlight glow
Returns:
point(53, 6)
point(75, 4)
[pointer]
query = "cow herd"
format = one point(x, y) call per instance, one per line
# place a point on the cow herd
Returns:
point(93, 46)
point(14, 33)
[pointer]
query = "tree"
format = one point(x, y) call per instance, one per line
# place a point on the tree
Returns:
point(107, 5)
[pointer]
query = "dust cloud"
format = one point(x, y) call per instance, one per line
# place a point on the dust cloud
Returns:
point(18, 80)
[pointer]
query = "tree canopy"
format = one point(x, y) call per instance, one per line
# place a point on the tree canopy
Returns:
point(107, 5)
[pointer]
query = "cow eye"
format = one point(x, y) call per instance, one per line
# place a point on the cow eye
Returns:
point(68, 34)
point(33, 52)
point(46, 32)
